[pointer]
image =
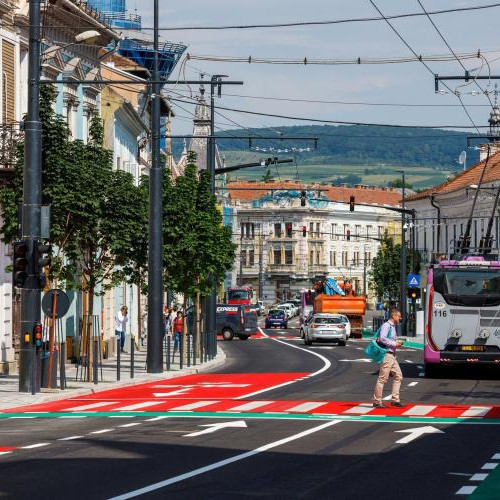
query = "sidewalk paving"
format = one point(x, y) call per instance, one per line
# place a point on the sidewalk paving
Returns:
point(11, 398)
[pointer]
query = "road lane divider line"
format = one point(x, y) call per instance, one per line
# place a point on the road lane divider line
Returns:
point(70, 438)
point(466, 490)
point(478, 477)
point(222, 463)
point(33, 446)
point(327, 364)
point(102, 431)
point(489, 466)
point(130, 425)
point(412, 384)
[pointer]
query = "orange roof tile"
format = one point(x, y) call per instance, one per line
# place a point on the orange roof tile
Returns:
point(248, 191)
point(464, 179)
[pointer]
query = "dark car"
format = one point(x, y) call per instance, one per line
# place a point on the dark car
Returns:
point(276, 318)
point(235, 320)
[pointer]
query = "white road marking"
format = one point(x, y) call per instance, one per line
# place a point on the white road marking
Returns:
point(496, 456)
point(421, 374)
point(250, 406)
point(31, 446)
point(102, 431)
point(478, 477)
point(223, 463)
point(416, 432)
point(459, 474)
point(210, 428)
point(476, 411)
point(145, 404)
point(193, 406)
point(387, 397)
point(130, 425)
point(326, 366)
point(489, 466)
point(70, 438)
point(360, 409)
point(72, 416)
point(408, 361)
point(154, 419)
point(302, 408)
point(11, 418)
point(466, 490)
point(412, 384)
point(419, 410)
point(93, 405)
point(420, 367)
point(5, 452)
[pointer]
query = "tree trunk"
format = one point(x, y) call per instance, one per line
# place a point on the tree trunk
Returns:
point(90, 332)
point(139, 316)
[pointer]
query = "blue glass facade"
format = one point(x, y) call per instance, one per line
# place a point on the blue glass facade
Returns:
point(116, 6)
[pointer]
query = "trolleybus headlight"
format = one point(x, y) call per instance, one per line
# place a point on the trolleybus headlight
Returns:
point(484, 334)
point(456, 334)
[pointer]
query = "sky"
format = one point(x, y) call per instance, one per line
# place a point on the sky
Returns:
point(408, 83)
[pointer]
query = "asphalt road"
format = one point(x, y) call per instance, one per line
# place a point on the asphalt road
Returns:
point(151, 457)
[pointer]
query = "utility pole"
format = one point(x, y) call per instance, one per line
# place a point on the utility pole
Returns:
point(261, 266)
point(240, 279)
point(32, 201)
point(155, 258)
point(402, 289)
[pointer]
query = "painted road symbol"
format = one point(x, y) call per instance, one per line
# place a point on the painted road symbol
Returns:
point(216, 427)
point(417, 432)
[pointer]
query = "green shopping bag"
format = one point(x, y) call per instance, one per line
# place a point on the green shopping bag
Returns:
point(373, 350)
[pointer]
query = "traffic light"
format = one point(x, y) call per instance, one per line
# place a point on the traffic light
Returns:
point(348, 235)
point(42, 259)
point(38, 335)
point(303, 197)
point(304, 231)
point(351, 203)
point(20, 265)
point(413, 293)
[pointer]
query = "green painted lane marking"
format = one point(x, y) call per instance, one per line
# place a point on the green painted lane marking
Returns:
point(270, 416)
point(489, 488)
point(414, 345)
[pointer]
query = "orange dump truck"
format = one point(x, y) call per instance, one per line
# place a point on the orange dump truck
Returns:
point(352, 306)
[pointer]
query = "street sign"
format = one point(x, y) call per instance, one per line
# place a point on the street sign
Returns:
point(413, 280)
point(62, 304)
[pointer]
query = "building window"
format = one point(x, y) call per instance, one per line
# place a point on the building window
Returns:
point(346, 228)
point(311, 257)
point(311, 229)
point(288, 256)
point(248, 230)
point(243, 257)
point(355, 259)
point(277, 229)
point(380, 231)
point(357, 231)
point(368, 259)
point(345, 257)
point(369, 230)
point(334, 232)
point(251, 257)
point(317, 257)
point(277, 255)
point(318, 229)
point(289, 229)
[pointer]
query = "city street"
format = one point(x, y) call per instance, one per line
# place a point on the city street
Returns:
point(278, 420)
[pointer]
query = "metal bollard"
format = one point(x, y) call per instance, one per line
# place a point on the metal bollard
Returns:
point(169, 339)
point(118, 358)
point(194, 348)
point(132, 351)
point(94, 362)
point(181, 350)
point(62, 366)
point(189, 350)
point(34, 370)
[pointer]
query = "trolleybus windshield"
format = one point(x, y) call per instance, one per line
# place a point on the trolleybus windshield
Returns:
point(471, 288)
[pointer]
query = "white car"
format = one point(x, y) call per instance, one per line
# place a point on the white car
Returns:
point(347, 325)
point(295, 309)
point(287, 308)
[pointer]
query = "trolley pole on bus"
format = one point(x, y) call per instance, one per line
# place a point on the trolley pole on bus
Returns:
point(402, 288)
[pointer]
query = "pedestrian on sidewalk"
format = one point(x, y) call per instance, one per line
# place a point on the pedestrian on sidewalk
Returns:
point(172, 315)
point(387, 339)
point(121, 320)
point(178, 329)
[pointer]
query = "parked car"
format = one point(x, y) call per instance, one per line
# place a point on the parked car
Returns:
point(305, 312)
point(261, 308)
point(276, 318)
point(325, 326)
point(235, 320)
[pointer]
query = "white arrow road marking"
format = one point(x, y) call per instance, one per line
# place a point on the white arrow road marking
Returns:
point(171, 393)
point(222, 463)
point(215, 427)
point(417, 432)
point(362, 360)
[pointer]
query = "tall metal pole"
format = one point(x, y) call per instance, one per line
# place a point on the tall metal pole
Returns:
point(32, 200)
point(403, 265)
point(155, 259)
point(261, 267)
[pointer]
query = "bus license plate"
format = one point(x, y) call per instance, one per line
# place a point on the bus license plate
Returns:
point(472, 348)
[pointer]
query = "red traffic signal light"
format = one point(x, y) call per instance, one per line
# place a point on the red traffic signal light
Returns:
point(38, 335)
point(351, 203)
point(304, 231)
point(20, 264)
point(348, 235)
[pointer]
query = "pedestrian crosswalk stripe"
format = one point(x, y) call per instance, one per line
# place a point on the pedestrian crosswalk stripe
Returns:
point(193, 406)
point(250, 406)
point(305, 407)
point(93, 405)
point(419, 410)
point(360, 409)
point(476, 411)
point(137, 406)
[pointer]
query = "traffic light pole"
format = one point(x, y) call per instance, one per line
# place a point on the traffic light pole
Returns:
point(402, 288)
point(155, 258)
point(31, 208)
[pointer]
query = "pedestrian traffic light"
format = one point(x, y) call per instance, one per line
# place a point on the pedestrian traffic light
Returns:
point(304, 231)
point(20, 265)
point(348, 235)
point(42, 259)
point(351, 203)
point(303, 197)
point(413, 293)
point(38, 335)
